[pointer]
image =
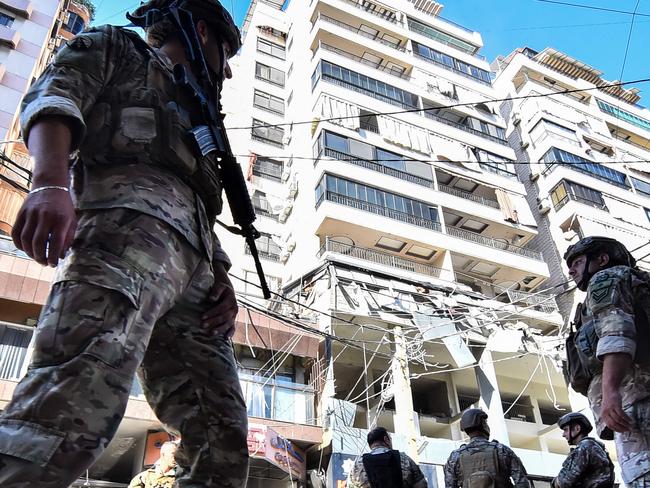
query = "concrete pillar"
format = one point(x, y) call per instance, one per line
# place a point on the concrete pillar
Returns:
point(490, 400)
point(404, 414)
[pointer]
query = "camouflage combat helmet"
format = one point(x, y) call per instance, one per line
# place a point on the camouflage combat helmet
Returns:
point(472, 419)
point(575, 418)
point(618, 253)
point(150, 16)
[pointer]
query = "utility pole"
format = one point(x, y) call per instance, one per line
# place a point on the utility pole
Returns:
point(404, 414)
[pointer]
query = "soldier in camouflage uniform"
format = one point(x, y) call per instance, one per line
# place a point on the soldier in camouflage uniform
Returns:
point(384, 467)
point(613, 347)
point(162, 474)
point(588, 465)
point(482, 462)
point(144, 285)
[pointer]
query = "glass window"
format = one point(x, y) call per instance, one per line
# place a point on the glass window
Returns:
point(361, 149)
point(336, 142)
point(8, 21)
point(269, 74)
point(559, 156)
point(391, 160)
point(75, 23)
point(268, 102)
point(641, 186)
point(270, 48)
point(268, 168)
point(624, 115)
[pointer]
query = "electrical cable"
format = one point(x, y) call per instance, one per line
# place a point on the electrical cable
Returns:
point(455, 105)
point(593, 7)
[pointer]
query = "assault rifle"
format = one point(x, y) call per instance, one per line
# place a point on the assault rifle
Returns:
point(212, 137)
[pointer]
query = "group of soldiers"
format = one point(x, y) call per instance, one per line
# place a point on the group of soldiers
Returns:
point(482, 463)
point(142, 284)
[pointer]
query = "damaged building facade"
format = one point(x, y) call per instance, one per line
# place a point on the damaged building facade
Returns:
point(397, 230)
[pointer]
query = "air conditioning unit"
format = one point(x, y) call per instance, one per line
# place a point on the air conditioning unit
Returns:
point(286, 211)
point(544, 206)
point(291, 245)
point(516, 118)
point(533, 176)
point(525, 144)
point(286, 174)
point(284, 256)
point(293, 189)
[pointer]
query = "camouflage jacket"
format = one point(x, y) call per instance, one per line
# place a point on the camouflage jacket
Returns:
point(587, 465)
point(411, 474)
point(95, 81)
point(608, 326)
point(509, 463)
point(154, 478)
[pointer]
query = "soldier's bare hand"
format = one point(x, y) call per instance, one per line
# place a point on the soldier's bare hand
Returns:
point(45, 226)
point(223, 311)
point(613, 414)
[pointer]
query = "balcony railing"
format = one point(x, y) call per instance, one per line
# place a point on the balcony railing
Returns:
point(375, 95)
point(469, 196)
point(381, 210)
point(429, 114)
point(568, 197)
point(379, 257)
point(358, 59)
point(375, 9)
point(371, 165)
point(416, 28)
point(451, 68)
point(265, 254)
point(543, 303)
point(357, 30)
point(493, 243)
point(266, 140)
point(278, 400)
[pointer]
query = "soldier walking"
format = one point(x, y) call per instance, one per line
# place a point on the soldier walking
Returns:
point(144, 284)
point(609, 354)
point(588, 465)
point(162, 474)
point(483, 463)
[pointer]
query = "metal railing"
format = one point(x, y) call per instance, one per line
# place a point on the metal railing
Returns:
point(357, 30)
point(493, 243)
point(269, 80)
point(385, 69)
point(266, 140)
point(491, 168)
point(423, 32)
point(377, 96)
point(469, 196)
point(268, 255)
point(379, 257)
point(568, 197)
point(543, 303)
point(577, 166)
point(429, 114)
point(371, 165)
point(383, 211)
point(368, 6)
point(454, 69)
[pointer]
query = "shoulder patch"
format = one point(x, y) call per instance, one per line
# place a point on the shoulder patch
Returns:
point(600, 290)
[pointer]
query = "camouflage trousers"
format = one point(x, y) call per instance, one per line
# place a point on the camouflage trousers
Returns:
point(128, 297)
point(633, 448)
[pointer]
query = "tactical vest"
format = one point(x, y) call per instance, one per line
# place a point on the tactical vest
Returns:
point(582, 362)
point(144, 117)
point(480, 467)
point(384, 470)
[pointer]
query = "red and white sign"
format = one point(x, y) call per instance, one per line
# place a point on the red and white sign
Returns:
point(265, 443)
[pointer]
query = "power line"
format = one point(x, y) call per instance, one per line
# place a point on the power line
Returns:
point(593, 7)
point(454, 105)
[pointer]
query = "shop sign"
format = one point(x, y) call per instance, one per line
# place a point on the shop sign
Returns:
point(265, 443)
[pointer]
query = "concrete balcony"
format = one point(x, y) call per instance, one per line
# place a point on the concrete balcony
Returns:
point(357, 30)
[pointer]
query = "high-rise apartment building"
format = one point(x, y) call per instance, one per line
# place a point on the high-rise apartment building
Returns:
point(584, 155)
point(393, 219)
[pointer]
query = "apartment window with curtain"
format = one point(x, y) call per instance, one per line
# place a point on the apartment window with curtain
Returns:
point(268, 169)
point(269, 74)
point(270, 48)
point(451, 63)
point(377, 201)
point(267, 133)
point(641, 186)
point(364, 84)
point(14, 344)
point(568, 190)
point(558, 156)
point(268, 102)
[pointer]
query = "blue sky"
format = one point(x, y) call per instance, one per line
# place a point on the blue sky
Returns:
point(595, 37)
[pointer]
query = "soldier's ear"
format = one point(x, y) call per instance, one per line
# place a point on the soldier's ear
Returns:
point(202, 30)
point(603, 259)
